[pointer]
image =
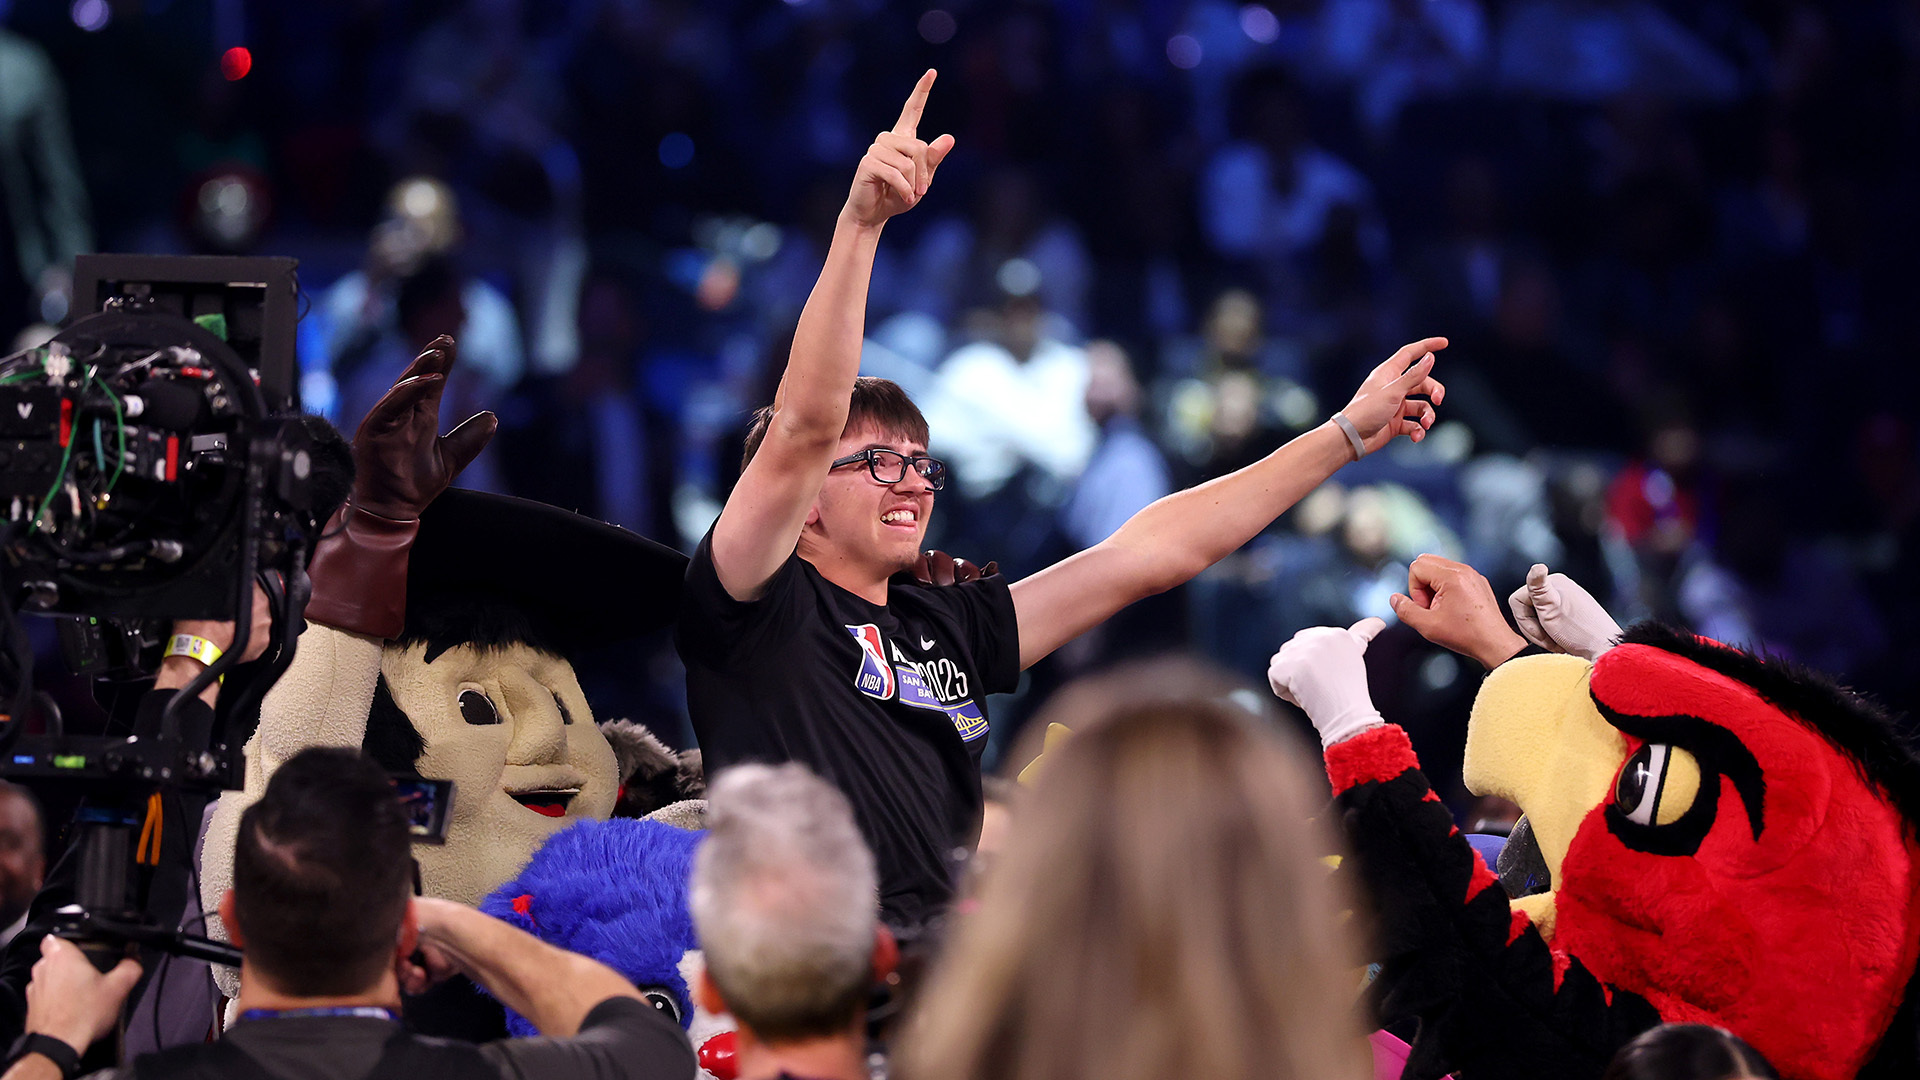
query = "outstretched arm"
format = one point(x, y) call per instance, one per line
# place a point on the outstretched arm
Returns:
point(1175, 538)
point(553, 988)
point(763, 517)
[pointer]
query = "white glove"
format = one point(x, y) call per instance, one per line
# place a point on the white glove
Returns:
point(1323, 672)
point(1555, 613)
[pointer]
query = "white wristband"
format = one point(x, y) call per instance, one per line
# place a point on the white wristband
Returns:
point(1353, 435)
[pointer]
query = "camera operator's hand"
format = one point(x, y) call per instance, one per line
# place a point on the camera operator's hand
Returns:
point(401, 461)
point(71, 1001)
point(178, 670)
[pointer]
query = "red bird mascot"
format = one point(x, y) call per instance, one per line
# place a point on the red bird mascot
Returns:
point(1715, 837)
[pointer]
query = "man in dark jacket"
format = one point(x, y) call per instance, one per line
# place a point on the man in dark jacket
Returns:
point(322, 903)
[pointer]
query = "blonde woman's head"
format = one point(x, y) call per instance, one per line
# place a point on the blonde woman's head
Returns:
point(1161, 909)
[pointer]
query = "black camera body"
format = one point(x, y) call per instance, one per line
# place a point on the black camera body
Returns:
point(126, 442)
point(153, 467)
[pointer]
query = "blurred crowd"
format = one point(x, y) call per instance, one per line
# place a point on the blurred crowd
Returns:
point(1662, 237)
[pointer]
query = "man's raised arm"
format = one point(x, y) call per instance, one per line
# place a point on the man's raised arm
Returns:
point(763, 517)
point(1172, 540)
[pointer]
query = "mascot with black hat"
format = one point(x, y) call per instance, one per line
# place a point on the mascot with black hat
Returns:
point(437, 640)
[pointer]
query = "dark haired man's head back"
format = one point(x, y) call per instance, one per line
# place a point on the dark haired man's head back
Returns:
point(322, 875)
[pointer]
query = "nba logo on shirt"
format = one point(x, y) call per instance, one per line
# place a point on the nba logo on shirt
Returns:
point(876, 678)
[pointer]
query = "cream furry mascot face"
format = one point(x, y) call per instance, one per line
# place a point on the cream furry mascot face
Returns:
point(506, 722)
point(478, 690)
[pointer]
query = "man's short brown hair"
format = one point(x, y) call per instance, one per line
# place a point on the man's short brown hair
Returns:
point(879, 403)
point(322, 873)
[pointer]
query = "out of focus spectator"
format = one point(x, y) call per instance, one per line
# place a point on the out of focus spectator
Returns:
point(1586, 50)
point(1009, 413)
point(23, 856)
point(359, 314)
point(1393, 52)
point(1163, 828)
point(785, 899)
point(1244, 396)
point(1268, 198)
point(1126, 471)
point(589, 440)
point(427, 303)
point(45, 219)
point(1012, 400)
point(965, 263)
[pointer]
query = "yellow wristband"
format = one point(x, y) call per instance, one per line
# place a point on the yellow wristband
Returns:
point(194, 647)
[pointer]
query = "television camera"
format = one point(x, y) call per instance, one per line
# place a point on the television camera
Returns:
point(153, 467)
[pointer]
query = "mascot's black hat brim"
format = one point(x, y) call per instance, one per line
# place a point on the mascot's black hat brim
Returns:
point(587, 582)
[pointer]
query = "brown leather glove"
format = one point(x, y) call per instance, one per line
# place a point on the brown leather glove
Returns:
point(939, 568)
point(401, 463)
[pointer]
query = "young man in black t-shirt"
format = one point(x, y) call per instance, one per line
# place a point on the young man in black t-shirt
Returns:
point(798, 647)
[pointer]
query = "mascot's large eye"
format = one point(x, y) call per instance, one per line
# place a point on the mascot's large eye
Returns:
point(477, 708)
point(664, 1000)
point(1657, 784)
point(565, 716)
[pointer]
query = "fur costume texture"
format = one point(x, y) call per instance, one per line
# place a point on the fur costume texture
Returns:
point(1731, 841)
point(477, 689)
point(616, 891)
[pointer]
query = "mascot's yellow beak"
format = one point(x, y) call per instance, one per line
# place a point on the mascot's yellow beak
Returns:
point(1535, 737)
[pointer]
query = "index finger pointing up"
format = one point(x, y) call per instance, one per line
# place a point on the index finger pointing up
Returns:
point(909, 122)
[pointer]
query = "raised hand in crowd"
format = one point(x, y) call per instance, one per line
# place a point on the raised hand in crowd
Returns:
point(1322, 671)
point(401, 461)
point(1450, 604)
point(1555, 613)
point(899, 166)
point(1381, 408)
point(768, 509)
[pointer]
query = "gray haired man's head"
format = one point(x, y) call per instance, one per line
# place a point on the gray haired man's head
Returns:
point(786, 901)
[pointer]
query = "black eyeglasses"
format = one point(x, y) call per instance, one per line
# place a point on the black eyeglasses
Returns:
point(890, 466)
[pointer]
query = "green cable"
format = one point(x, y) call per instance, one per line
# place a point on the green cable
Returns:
point(120, 422)
point(99, 454)
point(59, 475)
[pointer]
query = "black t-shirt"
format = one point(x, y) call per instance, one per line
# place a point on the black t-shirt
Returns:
point(887, 703)
point(622, 1038)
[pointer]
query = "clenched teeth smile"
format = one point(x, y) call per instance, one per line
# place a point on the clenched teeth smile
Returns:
point(900, 517)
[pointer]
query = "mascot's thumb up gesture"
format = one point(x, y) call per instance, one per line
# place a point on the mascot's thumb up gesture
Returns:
point(1323, 672)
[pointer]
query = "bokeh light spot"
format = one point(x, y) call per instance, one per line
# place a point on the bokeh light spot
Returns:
point(1018, 277)
point(91, 15)
point(1260, 24)
point(235, 63)
point(1183, 51)
point(937, 27)
point(676, 150)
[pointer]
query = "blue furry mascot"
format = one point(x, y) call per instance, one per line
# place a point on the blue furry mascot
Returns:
point(617, 891)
